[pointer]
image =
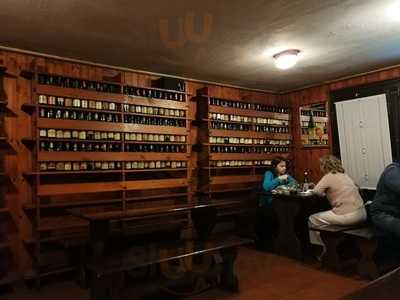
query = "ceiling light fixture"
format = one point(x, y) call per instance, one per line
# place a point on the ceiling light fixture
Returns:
point(286, 59)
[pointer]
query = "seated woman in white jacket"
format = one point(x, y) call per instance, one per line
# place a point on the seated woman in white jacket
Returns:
point(342, 193)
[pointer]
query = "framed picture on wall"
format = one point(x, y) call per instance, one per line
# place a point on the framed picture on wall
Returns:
point(314, 125)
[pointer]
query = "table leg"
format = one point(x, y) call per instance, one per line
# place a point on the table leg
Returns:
point(108, 287)
point(99, 231)
point(287, 242)
point(229, 280)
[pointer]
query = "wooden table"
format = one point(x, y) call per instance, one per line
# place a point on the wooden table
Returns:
point(104, 266)
point(108, 274)
point(292, 211)
point(385, 287)
point(203, 216)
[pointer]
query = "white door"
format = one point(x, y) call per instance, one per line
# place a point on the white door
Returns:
point(364, 138)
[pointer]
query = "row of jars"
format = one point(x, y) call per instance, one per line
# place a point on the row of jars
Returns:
point(158, 164)
point(246, 141)
point(270, 121)
point(150, 137)
point(316, 142)
point(79, 134)
point(245, 119)
point(229, 118)
point(246, 149)
point(247, 105)
point(80, 166)
point(71, 114)
point(271, 129)
point(76, 83)
point(153, 93)
point(314, 113)
point(78, 103)
point(109, 165)
point(239, 163)
point(109, 136)
point(306, 124)
point(158, 111)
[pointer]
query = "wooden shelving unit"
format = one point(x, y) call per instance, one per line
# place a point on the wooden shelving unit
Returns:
point(70, 170)
point(7, 266)
point(233, 159)
point(314, 126)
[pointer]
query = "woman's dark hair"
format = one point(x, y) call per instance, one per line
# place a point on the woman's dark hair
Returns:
point(276, 161)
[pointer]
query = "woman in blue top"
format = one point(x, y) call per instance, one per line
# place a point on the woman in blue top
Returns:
point(266, 223)
point(275, 177)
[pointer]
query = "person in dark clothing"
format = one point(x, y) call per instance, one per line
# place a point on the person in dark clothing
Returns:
point(266, 222)
point(385, 210)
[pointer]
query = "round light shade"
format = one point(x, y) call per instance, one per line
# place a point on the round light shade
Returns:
point(286, 59)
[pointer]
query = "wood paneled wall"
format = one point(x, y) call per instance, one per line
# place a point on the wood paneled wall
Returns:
point(19, 91)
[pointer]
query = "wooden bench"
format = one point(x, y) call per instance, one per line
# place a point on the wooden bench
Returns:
point(367, 244)
point(332, 236)
point(364, 238)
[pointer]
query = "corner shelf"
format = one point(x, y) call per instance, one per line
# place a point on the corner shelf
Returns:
point(217, 182)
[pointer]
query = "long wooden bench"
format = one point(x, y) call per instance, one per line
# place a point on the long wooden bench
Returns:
point(367, 245)
point(332, 236)
point(364, 238)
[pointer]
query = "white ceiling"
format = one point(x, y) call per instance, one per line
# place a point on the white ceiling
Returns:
point(337, 37)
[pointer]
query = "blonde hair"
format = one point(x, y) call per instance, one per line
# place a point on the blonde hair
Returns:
point(331, 164)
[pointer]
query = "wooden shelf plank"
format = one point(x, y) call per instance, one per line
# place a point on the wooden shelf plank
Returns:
point(4, 245)
point(98, 172)
point(57, 223)
point(78, 93)
point(110, 156)
point(156, 184)
point(9, 112)
point(31, 206)
point(230, 190)
point(236, 179)
point(78, 188)
point(28, 142)
point(45, 273)
point(226, 168)
point(97, 187)
point(28, 108)
point(7, 144)
point(8, 279)
point(4, 210)
point(154, 197)
point(9, 71)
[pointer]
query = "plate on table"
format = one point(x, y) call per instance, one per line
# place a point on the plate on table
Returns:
point(306, 193)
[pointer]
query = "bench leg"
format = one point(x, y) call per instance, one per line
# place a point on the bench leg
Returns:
point(366, 266)
point(108, 287)
point(229, 280)
point(331, 258)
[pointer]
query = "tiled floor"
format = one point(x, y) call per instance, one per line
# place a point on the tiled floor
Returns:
point(262, 276)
